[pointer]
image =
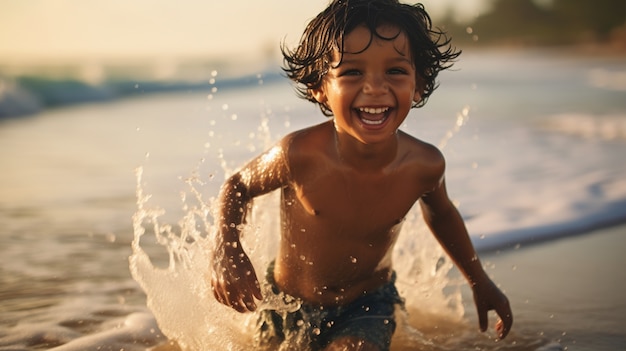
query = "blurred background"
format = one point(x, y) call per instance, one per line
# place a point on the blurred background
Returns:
point(70, 51)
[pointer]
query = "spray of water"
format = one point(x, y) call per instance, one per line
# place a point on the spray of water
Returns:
point(180, 297)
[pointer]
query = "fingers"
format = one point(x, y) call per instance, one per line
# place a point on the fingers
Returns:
point(239, 296)
point(483, 320)
point(503, 310)
point(256, 291)
point(506, 319)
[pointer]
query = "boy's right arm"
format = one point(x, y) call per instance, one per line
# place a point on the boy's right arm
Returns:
point(234, 280)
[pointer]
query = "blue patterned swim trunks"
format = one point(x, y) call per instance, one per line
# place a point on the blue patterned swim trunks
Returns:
point(369, 318)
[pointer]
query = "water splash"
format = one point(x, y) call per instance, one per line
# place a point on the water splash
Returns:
point(179, 293)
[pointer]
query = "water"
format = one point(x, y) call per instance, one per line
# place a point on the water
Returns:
point(534, 144)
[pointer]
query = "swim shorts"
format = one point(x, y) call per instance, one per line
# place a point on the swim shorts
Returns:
point(369, 317)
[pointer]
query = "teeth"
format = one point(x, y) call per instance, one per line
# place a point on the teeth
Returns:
point(373, 123)
point(374, 110)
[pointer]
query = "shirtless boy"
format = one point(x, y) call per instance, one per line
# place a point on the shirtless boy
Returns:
point(347, 184)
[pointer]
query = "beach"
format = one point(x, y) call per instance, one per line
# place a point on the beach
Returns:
point(573, 286)
point(103, 243)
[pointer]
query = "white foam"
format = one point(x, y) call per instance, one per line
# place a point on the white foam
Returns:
point(128, 335)
point(604, 127)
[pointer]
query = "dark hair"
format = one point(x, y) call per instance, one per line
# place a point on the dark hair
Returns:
point(307, 64)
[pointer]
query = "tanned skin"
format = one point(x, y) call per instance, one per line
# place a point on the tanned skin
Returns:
point(346, 186)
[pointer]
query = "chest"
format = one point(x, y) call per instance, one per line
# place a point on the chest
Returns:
point(355, 200)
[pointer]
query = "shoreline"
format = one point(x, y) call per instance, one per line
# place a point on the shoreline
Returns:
point(529, 237)
point(558, 288)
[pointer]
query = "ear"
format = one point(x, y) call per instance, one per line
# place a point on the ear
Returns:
point(319, 95)
point(417, 96)
point(419, 90)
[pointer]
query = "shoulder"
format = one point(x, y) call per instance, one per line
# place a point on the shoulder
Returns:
point(423, 159)
point(421, 152)
point(307, 147)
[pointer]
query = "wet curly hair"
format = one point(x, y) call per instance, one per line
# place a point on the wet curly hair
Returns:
point(307, 64)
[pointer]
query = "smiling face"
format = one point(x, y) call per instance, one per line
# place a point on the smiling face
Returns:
point(370, 88)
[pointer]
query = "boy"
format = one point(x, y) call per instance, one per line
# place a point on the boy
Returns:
point(347, 184)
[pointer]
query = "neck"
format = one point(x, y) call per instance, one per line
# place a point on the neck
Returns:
point(366, 157)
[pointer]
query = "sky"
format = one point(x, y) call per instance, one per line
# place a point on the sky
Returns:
point(36, 30)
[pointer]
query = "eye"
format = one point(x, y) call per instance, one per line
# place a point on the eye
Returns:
point(397, 70)
point(350, 72)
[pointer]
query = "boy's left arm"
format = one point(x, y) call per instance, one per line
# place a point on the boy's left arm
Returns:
point(448, 227)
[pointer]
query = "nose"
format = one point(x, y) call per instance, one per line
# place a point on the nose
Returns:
point(375, 84)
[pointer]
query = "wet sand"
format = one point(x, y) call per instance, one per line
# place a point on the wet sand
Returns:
point(570, 290)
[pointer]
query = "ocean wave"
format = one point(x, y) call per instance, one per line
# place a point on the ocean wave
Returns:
point(603, 127)
point(607, 79)
point(29, 95)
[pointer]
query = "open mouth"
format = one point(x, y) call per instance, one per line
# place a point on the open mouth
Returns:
point(373, 116)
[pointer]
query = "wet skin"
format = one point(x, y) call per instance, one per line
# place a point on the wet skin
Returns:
point(346, 186)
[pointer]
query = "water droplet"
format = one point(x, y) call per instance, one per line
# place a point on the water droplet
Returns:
point(469, 30)
point(213, 73)
point(300, 322)
point(352, 259)
point(110, 237)
point(209, 97)
point(386, 321)
point(225, 107)
point(302, 257)
point(465, 111)
point(233, 117)
point(316, 331)
point(212, 81)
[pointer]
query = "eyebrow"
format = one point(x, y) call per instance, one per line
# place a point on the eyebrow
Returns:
point(402, 59)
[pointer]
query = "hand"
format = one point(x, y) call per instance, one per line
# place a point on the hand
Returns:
point(488, 297)
point(234, 281)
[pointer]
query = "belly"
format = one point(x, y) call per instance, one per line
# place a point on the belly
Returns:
point(333, 271)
